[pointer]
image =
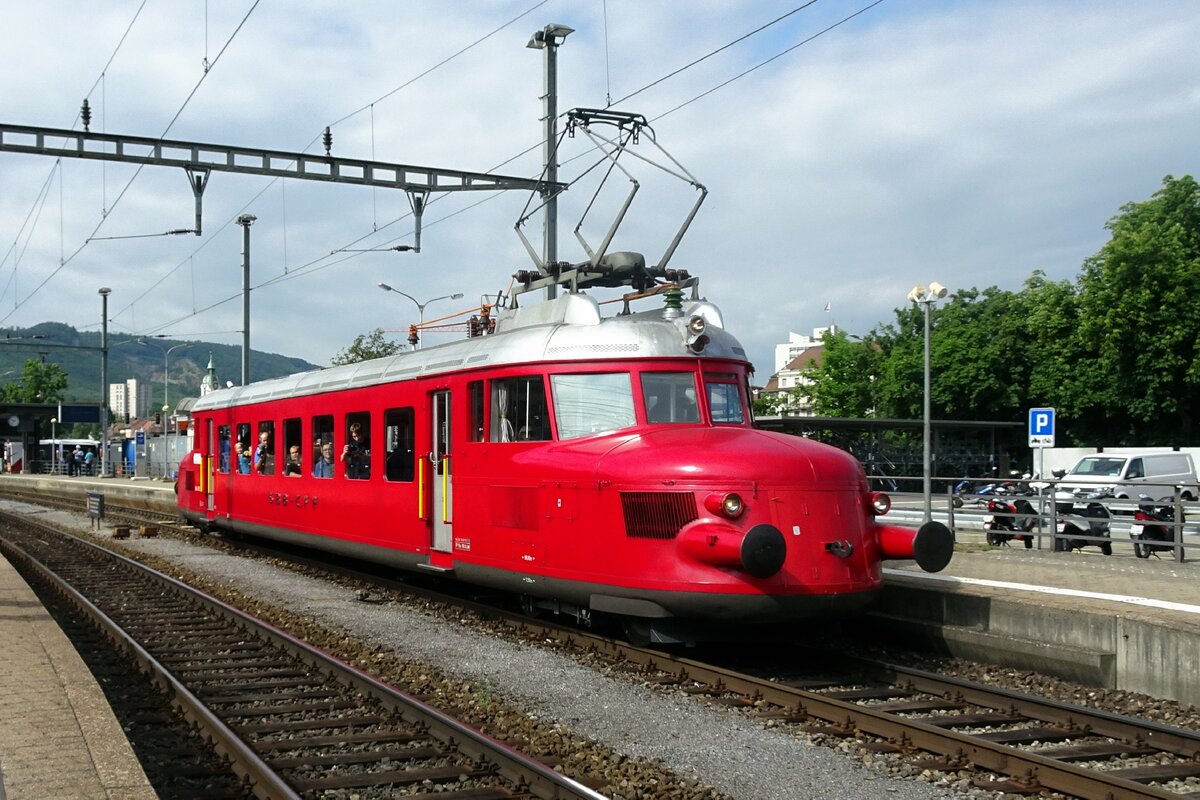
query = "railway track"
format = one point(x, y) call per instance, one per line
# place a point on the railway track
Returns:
point(1012, 742)
point(292, 721)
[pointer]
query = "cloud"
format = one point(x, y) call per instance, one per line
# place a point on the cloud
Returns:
point(969, 143)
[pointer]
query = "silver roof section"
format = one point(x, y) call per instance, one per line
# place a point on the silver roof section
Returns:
point(568, 328)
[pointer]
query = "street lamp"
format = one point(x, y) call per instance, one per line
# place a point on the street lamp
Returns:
point(420, 305)
point(246, 220)
point(104, 292)
point(166, 408)
point(54, 445)
point(548, 40)
point(926, 296)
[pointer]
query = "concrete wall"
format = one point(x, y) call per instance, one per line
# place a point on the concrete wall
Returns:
point(1093, 647)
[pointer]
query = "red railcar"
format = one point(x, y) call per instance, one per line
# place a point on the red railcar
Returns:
point(587, 463)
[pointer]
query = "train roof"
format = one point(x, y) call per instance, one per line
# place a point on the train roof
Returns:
point(565, 329)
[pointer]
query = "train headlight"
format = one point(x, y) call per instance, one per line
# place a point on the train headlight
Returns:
point(697, 339)
point(725, 504)
point(880, 503)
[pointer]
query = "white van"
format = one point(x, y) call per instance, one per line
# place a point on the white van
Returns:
point(1130, 474)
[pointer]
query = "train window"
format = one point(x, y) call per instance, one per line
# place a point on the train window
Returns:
point(724, 402)
point(475, 409)
point(224, 448)
point(399, 444)
point(592, 403)
point(356, 454)
point(293, 448)
point(322, 449)
point(264, 450)
point(519, 410)
point(242, 448)
point(670, 397)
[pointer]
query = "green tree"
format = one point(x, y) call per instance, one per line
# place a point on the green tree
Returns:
point(365, 347)
point(1138, 359)
point(40, 382)
point(843, 382)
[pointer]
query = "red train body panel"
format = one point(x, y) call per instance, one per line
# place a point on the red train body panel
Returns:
point(592, 464)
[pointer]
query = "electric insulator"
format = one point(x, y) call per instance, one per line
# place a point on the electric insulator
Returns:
point(85, 114)
point(327, 138)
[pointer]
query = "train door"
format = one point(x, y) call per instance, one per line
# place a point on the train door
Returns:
point(208, 464)
point(442, 471)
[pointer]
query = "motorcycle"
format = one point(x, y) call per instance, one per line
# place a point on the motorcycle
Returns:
point(1008, 520)
point(1082, 515)
point(1153, 527)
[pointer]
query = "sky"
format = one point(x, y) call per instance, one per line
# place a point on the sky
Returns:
point(850, 151)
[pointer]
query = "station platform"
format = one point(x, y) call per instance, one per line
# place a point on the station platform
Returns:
point(58, 735)
point(1113, 621)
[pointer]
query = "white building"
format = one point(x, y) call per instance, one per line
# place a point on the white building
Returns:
point(792, 359)
point(797, 343)
point(129, 399)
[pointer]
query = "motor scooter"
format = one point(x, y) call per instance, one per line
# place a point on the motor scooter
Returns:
point(1081, 519)
point(1153, 527)
point(1009, 519)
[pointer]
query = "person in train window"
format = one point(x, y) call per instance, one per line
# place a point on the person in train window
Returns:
point(292, 465)
point(356, 455)
point(264, 459)
point(243, 458)
point(324, 466)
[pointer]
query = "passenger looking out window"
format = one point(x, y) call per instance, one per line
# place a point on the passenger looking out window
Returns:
point(592, 403)
point(294, 463)
point(264, 454)
point(243, 448)
point(243, 458)
point(292, 467)
point(356, 454)
point(323, 448)
point(324, 466)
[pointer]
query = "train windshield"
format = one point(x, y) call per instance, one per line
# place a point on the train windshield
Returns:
point(670, 397)
point(592, 403)
point(724, 403)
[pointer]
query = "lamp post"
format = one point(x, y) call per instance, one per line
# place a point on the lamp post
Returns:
point(420, 305)
point(246, 220)
point(548, 40)
point(104, 381)
point(54, 445)
point(926, 296)
point(166, 407)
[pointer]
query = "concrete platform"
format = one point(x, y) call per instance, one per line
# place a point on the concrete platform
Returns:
point(1111, 621)
point(58, 736)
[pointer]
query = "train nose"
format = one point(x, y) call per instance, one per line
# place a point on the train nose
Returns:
point(759, 551)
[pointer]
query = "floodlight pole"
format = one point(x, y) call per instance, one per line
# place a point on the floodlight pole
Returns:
point(548, 40)
point(246, 220)
point(104, 381)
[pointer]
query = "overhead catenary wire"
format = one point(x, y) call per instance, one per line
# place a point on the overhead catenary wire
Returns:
point(138, 171)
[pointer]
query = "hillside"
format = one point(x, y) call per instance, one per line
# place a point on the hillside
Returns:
point(127, 358)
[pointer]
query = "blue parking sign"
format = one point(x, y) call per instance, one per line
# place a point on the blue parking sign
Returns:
point(1041, 427)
